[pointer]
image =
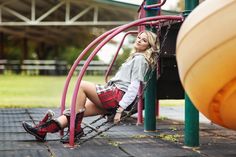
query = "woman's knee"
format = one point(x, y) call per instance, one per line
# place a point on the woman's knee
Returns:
point(87, 87)
point(90, 92)
point(84, 82)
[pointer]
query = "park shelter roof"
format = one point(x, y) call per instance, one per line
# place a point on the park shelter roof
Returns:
point(54, 21)
point(57, 21)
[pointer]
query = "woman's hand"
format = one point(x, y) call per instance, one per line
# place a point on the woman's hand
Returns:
point(118, 114)
point(117, 118)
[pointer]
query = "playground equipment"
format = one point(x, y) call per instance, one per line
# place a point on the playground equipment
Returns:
point(206, 55)
point(100, 42)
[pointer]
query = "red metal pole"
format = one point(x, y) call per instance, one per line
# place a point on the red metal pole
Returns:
point(141, 15)
point(158, 5)
point(140, 105)
point(116, 54)
point(68, 78)
point(141, 28)
point(97, 40)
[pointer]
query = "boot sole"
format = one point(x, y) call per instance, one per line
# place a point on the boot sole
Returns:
point(32, 133)
point(76, 139)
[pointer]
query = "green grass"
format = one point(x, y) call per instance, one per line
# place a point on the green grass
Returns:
point(22, 91)
point(36, 91)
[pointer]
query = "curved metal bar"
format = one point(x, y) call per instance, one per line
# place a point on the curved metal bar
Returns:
point(158, 5)
point(72, 69)
point(95, 51)
point(97, 40)
point(141, 14)
point(153, 23)
point(116, 54)
point(141, 6)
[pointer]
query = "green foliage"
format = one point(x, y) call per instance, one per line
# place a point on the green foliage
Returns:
point(171, 138)
point(13, 49)
point(68, 51)
point(71, 53)
point(173, 128)
point(13, 53)
point(114, 143)
point(122, 57)
point(163, 118)
point(140, 136)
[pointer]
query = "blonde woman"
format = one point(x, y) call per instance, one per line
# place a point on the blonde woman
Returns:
point(114, 97)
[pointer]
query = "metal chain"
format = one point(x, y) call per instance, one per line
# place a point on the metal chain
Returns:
point(159, 29)
point(165, 36)
point(158, 56)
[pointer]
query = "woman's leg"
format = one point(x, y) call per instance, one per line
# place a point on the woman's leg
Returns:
point(87, 104)
point(90, 110)
point(87, 99)
point(87, 90)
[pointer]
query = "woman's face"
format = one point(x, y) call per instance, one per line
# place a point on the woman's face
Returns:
point(141, 43)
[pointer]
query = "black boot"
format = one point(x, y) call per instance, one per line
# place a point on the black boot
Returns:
point(40, 131)
point(78, 130)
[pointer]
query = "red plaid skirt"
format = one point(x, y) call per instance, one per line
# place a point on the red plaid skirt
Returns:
point(109, 96)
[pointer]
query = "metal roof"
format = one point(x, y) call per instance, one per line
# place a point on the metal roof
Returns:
point(61, 21)
point(54, 21)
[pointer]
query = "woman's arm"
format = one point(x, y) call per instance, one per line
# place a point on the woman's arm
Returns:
point(130, 95)
point(127, 99)
point(138, 72)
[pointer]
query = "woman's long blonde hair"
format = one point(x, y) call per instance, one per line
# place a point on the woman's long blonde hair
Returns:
point(154, 48)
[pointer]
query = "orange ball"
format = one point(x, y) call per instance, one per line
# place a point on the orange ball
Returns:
point(206, 58)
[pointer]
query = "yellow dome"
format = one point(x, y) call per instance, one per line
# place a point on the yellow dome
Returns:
point(206, 57)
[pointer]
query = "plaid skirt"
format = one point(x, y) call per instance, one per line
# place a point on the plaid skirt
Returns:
point(109, 96)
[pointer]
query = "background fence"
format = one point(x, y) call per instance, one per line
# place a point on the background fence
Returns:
point(49, 67)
